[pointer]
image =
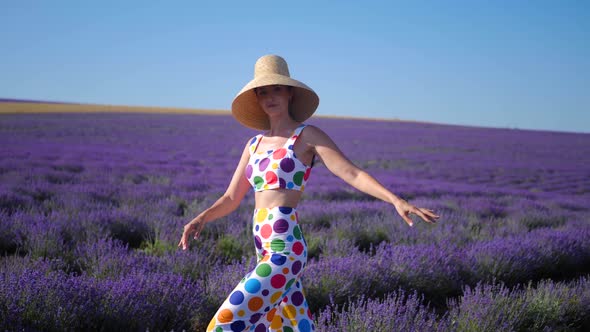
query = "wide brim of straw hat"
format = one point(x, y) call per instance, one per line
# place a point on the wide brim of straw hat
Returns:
point(247, 111)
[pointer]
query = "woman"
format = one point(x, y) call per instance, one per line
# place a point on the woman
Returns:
point(277, 165)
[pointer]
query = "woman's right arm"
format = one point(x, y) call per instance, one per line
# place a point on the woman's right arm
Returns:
point(226, 204)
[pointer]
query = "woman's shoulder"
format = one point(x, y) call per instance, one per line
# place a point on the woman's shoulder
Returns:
point(253, 139)
point(313, 134)
point(312, 129)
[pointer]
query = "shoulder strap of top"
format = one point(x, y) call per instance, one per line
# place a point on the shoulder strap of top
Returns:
point(254, 143)
point(294, 137)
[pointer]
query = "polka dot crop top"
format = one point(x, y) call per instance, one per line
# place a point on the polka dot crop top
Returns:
point(278, 168)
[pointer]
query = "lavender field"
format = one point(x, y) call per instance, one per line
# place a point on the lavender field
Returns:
point(92, 208)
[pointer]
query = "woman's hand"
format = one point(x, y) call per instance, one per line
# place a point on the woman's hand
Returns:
point(195, 226)
point(405, 209)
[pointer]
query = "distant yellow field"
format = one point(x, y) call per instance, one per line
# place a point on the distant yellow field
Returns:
point(33, 107)
point(26, 107)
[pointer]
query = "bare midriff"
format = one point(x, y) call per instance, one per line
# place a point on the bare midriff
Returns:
point(277, 197)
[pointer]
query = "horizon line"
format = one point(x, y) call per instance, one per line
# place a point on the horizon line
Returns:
point(187, 110)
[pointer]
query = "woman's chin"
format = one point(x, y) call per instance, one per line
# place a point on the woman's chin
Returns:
point(274, 111)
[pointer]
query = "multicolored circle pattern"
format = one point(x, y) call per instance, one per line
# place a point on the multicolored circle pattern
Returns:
point(278, 168)
point(270, 296)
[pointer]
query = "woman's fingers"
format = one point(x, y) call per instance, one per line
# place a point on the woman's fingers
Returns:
point(408, 221)
point(185, 235)
point(427, 215)
point(199, 228)
point(183, 241)
point(190, 228)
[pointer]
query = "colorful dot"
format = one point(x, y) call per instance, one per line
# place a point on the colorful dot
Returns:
point(255, 303)
point(277, 245)
point(285, 209)
point(238, 326)
point(252, 286)
point(278, 259)
point(307, 173)
point(290, 283)
point(297, 232)
point(258, 182)
point(211, 324)
point(298, 248)
point(255, 318)
point(296, 267)
point(263, 270)
point(271, 178)
point(266, 231)
point(285, 270)
point(297, 298)
point(279, 154)
point(275, 297)
point(257, 242)
point(304, 326)
point(271, 314)
point(261, 215)
point(278, 281)
point(287, 165)
point(298, 178)
point(248, 171)
point(281, 226)
point(276, 323)
point(290, 311)
point(225, 316)
point(263, 164)
point(236, 298)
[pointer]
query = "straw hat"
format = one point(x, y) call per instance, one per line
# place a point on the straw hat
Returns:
point(270, 70)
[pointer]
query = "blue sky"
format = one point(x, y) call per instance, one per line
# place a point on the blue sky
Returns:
point(509, 64)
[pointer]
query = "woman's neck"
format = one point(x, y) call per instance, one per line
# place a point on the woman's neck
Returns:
point(282, 126)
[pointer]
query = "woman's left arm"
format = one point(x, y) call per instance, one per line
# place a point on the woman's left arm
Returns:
point(339, 165)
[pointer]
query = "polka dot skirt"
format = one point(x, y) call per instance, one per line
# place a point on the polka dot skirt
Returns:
point(270, 297)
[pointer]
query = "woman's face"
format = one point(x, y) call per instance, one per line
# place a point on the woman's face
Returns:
point(274, 98)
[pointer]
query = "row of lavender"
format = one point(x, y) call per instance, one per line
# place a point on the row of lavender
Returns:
point(69, 183)
point(435, 260)
point(42, 296)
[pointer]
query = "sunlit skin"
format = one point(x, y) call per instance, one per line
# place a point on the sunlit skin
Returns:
point(274, 100)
